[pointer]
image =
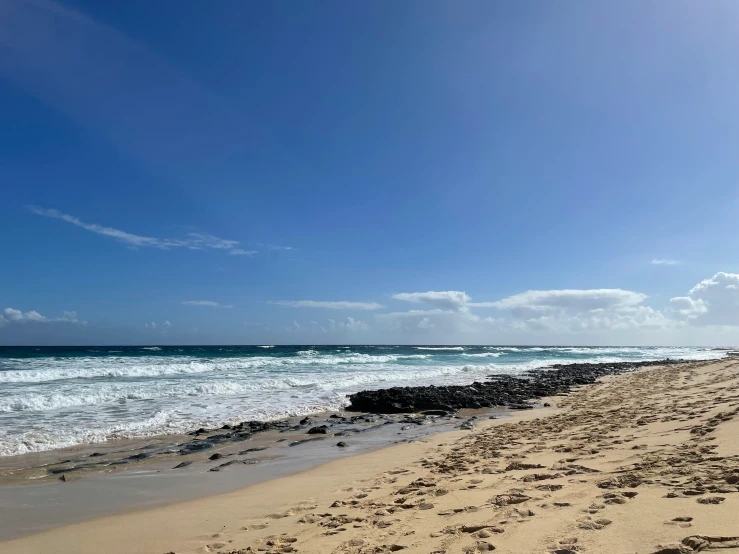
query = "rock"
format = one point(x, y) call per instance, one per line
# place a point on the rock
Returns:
point(306, 421)
point(248, 450)
point(499, 390)
point(341, 444)
point(195, 446)
point(232, 462)
point(182, 464)
point(216, 456)
point(304, 441)
point(139, 456)
point(320, 430)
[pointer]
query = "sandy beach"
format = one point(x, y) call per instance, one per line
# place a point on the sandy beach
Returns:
point(643, 462)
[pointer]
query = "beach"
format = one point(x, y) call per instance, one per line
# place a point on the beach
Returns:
point(642, 462)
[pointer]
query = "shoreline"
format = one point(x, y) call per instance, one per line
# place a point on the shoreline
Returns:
point(368, 410)
point(345, 469)
point(60, 399)
point(428, 404)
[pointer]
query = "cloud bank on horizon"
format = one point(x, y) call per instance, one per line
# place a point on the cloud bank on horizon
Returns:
point(572, 316)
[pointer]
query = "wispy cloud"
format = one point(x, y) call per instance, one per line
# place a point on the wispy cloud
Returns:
point(207, 303)
point(331, 305)
point(154, 325)
point(193, 241)
point(664, 261)
point(275, 246)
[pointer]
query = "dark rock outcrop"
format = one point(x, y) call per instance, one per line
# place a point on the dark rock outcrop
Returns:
point(320, 430)
point(500, 390)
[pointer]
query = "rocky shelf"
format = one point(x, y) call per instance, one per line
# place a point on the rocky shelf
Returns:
point(499, 390)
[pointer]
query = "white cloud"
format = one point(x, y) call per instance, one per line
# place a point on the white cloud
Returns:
point(425, 323)
point(354, 324)
point(566, 311)
point(574, 299)
point(207, 303)
point(580, 310)
point(154, 325)
point(330, 305)
point(349, 324)
point(684, 306)
point(11, 315)
point(275, 247)
point(448, 325)
point(447, 300)
point(193, 241)
point(622, 318)
point(713, 301)
point(664, 261)
point(414, 314)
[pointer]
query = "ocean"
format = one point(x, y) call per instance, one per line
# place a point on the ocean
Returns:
point(54, 397)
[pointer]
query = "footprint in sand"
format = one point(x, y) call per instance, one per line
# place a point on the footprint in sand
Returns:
point(711, 500)
point(594, 525)
point(699, 543)
point(683, 521)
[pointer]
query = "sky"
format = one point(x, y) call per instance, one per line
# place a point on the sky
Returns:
point(381, 172)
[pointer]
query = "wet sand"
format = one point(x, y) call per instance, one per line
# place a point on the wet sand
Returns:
point(44, 490)
point(643, 462)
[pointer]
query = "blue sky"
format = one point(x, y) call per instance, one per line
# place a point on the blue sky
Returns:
point(333, 172)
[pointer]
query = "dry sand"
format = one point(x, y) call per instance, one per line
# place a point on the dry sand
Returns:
point(644, 462)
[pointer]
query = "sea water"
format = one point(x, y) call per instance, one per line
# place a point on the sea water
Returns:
point(54, 397)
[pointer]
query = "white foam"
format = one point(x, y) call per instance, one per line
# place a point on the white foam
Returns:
point(447, 348)
point(58, 402)
point(45, 369)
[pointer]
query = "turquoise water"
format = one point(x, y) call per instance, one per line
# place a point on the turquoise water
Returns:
point(52, 397)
